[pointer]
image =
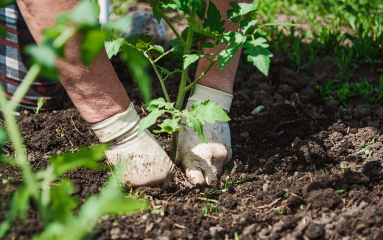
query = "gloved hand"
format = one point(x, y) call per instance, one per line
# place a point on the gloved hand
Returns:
point(144, 161)
point(204, 162)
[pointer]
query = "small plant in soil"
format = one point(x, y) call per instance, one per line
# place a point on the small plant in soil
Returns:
point(338, 191)
point(210, 28)
point(213, 208)
point(229, 184)
point(40, 104)
point(366, 150)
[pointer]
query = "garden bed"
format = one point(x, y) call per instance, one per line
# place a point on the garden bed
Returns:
point(299, 154)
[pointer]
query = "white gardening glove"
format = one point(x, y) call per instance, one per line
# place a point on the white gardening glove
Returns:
point(204, 162)
point(144, 161)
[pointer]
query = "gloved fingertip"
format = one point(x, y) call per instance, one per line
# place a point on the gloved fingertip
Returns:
point(210, 177)
point(196, 176)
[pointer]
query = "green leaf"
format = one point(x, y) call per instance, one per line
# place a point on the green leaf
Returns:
point(85, 13)
point(182, 5)
point(86, 158)
point(169, 125)
point(144, 41)
point(121, 24)
point(258, 54)
point(338, 191)
point(257, 109)
point(208, 45)
point(240, 10)
point(247, 24)
point(163, 70)
point(132, 39)
point(3, 138)
point(137, 66)
point(92, 44)
point(5, 3)
point(150, 120)
point(63, 203)
point(199, 7)
point(210, 112)
point(189, 59)
point(278, 24)
point(199, 28)
point(234, 41)
point(46, 57)
point(194, 123)
point(157, 104)
point(158, 48)
point(213, 20)
point(114, 47)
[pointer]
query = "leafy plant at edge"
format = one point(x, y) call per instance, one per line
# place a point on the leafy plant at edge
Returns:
point(211, 29)
point(52, 198)
point(213, 208)
point(40, 104)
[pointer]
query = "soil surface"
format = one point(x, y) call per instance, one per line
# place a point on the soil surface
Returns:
point(299, 154)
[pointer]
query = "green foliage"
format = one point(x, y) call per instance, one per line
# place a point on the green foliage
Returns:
point(366, 150)
point(213, 208)
point(338, 191)
point(40, 104)
point(229, 184)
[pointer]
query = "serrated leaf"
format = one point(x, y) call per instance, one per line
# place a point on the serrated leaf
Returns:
point(189, 59)
point(169, 126)
point(114, 47)
point(46, 57)
point(234, 41)
point(177, 45)
point(258, 54)
point(64, 203)
point(247, 24)
point(86, 158)
point(239, 10)
point(213, 20)
point(182, 5)
point(158, 48)
point(163, 70)
point(150, 120)
point(144, 41)
point(192, 122)
point(199, 7)
point(210, 112)
point(196, 105)
point(92, 44)
point(208, 45)
point(132, 39)
point(157, 104)
point(199, 28)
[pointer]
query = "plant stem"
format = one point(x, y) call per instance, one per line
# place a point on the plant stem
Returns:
point(23, 88)
point(168, 22)
point(61, 40)
point(17, 142)
point(202, 75)
point(181, 92)
point(171, 50)
point(159, 76)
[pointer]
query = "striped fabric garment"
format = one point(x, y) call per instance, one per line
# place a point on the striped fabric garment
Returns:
point(14, 67)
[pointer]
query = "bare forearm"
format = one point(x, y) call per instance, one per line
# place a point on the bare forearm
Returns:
point(96, 91)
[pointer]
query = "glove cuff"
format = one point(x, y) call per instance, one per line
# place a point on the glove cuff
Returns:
point(120, 125)
point(201, 93)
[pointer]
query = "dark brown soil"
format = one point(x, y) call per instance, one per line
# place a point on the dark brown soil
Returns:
point(305, 179)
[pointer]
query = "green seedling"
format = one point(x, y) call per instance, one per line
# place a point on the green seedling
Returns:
point(229, 184)
point(72, 150)
point(278, 209)
point(158, 210)
point(7, 180)
point(302, 207)
point(286, 195)
point(257, 109)
point(26, 111)
point(322, 173)
point(366, 150)
point(344, 167)
point(338, 191)
point(224, 169)
point(290, 103)
point(365, 90)
point(311, 124)
point(40, 104)
point(213, 208)
point(236, 236)
point(114, 223)
point(61, 135)
point(210, 28)
point(344, 93)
